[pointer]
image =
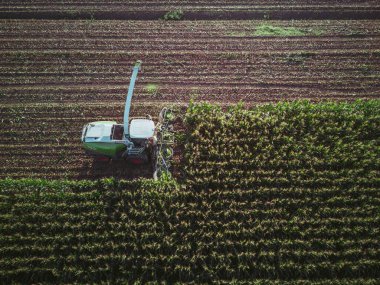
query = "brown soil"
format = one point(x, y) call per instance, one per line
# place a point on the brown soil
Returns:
point(193, 10)
point(58, 75)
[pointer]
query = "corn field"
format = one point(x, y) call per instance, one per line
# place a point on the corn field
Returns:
point(278, 194)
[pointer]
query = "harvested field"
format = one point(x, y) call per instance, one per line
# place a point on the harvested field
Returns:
point(80, 61)
point(193, 10)
point(58, 75)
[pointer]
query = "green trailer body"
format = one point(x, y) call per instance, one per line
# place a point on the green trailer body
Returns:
point(104, 149)
point(99, 140)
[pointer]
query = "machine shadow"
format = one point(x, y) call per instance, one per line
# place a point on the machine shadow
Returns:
point(120, 169)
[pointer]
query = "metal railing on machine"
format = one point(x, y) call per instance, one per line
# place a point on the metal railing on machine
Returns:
point(165, 140)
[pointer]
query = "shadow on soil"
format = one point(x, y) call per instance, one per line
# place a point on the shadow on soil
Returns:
point(121, 169)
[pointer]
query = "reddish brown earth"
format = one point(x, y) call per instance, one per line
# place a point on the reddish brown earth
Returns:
point(57, 75)
point(193, 10)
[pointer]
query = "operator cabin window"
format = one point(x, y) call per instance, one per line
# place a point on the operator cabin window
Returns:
point(117, 132)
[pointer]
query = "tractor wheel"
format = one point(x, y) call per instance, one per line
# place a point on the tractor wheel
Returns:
point(155, 176)
point(153, 161)
point(101, 159)
point(161, 115)
point(166, 115)
point(167, 152)
point(161, 173)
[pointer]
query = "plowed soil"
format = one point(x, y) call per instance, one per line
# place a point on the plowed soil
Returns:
point(193, 10)
point(57, 75)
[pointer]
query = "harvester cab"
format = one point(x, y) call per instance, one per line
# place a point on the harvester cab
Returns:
point(135, 140)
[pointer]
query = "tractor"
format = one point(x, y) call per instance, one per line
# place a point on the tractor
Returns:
point(138, 140)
